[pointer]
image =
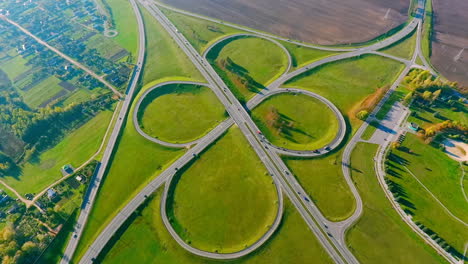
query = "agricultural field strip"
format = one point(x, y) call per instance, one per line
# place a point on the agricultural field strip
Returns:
point(104, 139)
point(435, 197)
point(182, 45)
point(74, 62)
point(268, 35)
point(95, 182)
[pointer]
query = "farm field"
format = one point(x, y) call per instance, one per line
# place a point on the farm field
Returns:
point(225, 200)
point(341, 23)
point(296, 121)
point(289, 243)
point(380, 235)
point(449, 39)
point(161, 48)
point(76, 148)
point(248, 64)
point(347, 83)
point(180, 113)
point(442, 176)
point(323, 180)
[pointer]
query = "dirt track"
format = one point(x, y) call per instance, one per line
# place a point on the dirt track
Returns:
point(450, 38)
point(324, 22)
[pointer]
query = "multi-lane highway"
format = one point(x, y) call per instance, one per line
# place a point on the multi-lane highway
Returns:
point(330, 235)
point(96, 180)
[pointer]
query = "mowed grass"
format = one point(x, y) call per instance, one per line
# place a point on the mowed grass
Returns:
point(126, 25)
point(403, 48)
point(200, 33)
point(292, 243)
point(180, 112)
point(129, 170)
point(302, 56)
point(163, 56)
point(135, 162)
point(420, 204)
point(74, 149)
point(380, 235)
point(296, 121)
point(41, 92)
point(323, 180)
point(258, 58)
point(348, 82)
point(437, 171)
point(225, 200)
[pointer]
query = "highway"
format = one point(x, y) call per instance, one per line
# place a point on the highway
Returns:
point(329, 234)
point(241, 118)
point(96, 180)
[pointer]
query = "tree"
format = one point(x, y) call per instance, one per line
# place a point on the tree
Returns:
point(363, 114)
point(408, 98)
point(8, 233)
point(427, 95)
point(436, 95)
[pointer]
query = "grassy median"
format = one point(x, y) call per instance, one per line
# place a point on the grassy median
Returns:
point(323, 180)
point(292, 243)
point(248, 64)
point(296, 121)
point(225, 200)
point(180, 113)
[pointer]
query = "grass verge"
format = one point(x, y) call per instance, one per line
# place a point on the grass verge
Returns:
point(380, 236)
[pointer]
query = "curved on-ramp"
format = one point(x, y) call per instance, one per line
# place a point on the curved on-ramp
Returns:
point(259, 98)
point(239, 35)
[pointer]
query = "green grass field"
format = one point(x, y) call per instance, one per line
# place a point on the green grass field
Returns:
point(403, 48)
point(107, 47)
point(302, 56)
point(125, 24)
point(296, 121)
point(163, 56)
point(41, 92)
point(380, 236)
point(258, 58)
point(225, 200)
point(200, 33)
point(438, 172)
point(180, 113)
point(323, 180)
point(425, 117)
point(14, 66)
point(75, 149)
point(426, 37)
point(129, 172)
point(347, 83)
point(443, 174)
point(292, 243)
point(370, 130)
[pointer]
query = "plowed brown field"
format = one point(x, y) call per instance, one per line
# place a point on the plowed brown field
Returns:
point(324, 22)
point(450, 39)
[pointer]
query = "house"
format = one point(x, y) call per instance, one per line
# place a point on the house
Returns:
point(51, 193)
